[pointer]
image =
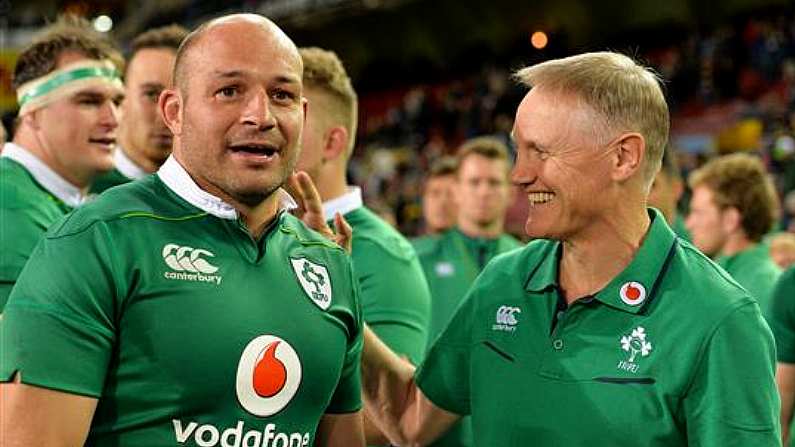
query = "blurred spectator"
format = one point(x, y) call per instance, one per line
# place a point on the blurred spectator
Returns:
point(439, 208)
point(734, 205)
point(782, 249)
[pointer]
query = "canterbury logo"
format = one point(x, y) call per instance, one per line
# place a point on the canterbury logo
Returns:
point(505, 315)
point(187, 259)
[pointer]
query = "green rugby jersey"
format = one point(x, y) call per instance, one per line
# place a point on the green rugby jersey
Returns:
point(782, 322)
point(672, 352)
point(32, 198)
point(755, 270)
point(451, 261)
point(394, 295)
point(156, 300)
point(125, 171)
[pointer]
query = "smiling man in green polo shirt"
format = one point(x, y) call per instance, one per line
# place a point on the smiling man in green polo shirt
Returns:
point(607, 330)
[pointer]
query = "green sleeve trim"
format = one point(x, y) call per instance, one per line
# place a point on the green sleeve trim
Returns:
point(155, 216)
point(310, 242)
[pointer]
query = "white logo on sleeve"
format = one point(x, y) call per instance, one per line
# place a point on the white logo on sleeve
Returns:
point(506, 319)
point(189, 264)
point(315, 280)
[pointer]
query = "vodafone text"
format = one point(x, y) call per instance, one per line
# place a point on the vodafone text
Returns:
point(208, 435)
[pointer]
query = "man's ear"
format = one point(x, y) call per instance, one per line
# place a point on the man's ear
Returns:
point(731, 220)
point(335, 143)
point(32, 119)
point(170, 108)
point(629, 156)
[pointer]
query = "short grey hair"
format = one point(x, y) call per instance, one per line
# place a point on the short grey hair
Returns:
point(625, 95)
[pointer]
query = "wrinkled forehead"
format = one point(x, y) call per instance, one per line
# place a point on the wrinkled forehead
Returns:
point(551, 113)
point(246, 47)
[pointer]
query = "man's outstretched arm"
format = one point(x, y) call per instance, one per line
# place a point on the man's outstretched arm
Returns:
point(392, 400)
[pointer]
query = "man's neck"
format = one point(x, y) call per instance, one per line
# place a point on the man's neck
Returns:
point(491, 230)
point(736, 243)
point(603, 250)
point(330, 186)
point(257, 217)
point(32, 145)
point(138, 158)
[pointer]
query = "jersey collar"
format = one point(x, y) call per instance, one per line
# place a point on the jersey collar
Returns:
point(173, 175)
point(126, 166)
point(344, 204)
point(646, 268)
point(50, 180)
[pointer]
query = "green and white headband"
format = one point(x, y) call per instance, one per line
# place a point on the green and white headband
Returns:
point(65, 81)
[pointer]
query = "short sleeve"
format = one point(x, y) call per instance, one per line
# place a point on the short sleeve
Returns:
point(19, 233)
point(347, 397)
point(58, 328)
point(782, 317)
point(444, 374)
point(732, 400)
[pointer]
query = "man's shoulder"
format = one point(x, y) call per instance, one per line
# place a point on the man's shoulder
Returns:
point(18, 190)
point(147, 198)
point(698, 284)
point(517, 264)
point(424, 245)
point(300, 235)
point(373, 238)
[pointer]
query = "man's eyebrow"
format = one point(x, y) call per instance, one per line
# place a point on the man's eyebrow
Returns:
point(281, 79)
point(229, 73)
point(153, 85)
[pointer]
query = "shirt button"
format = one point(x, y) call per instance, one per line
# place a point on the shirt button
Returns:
point(557, 344)
point(561, 314)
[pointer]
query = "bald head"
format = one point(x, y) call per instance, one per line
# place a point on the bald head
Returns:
point(234, 26)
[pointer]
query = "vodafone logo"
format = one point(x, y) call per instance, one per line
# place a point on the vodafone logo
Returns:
point(633, 293)
point(268, 375)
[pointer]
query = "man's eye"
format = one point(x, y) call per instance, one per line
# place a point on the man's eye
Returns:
point(283, 95)
point(228, 92)
point(152, 95)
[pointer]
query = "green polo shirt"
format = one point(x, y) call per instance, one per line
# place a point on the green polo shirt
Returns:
point(755, 270)
point(155, 300)
point(451, 261)
point(395, 298)
point(109, 180)
point(672, 352)
point(782, 320)
point(27, 210)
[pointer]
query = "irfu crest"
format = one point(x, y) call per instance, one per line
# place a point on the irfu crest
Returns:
point(315, 281)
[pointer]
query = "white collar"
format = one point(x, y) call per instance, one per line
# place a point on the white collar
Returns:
point(178, 180)
point(344, 204)
point(126, 166)
point(44, 175)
